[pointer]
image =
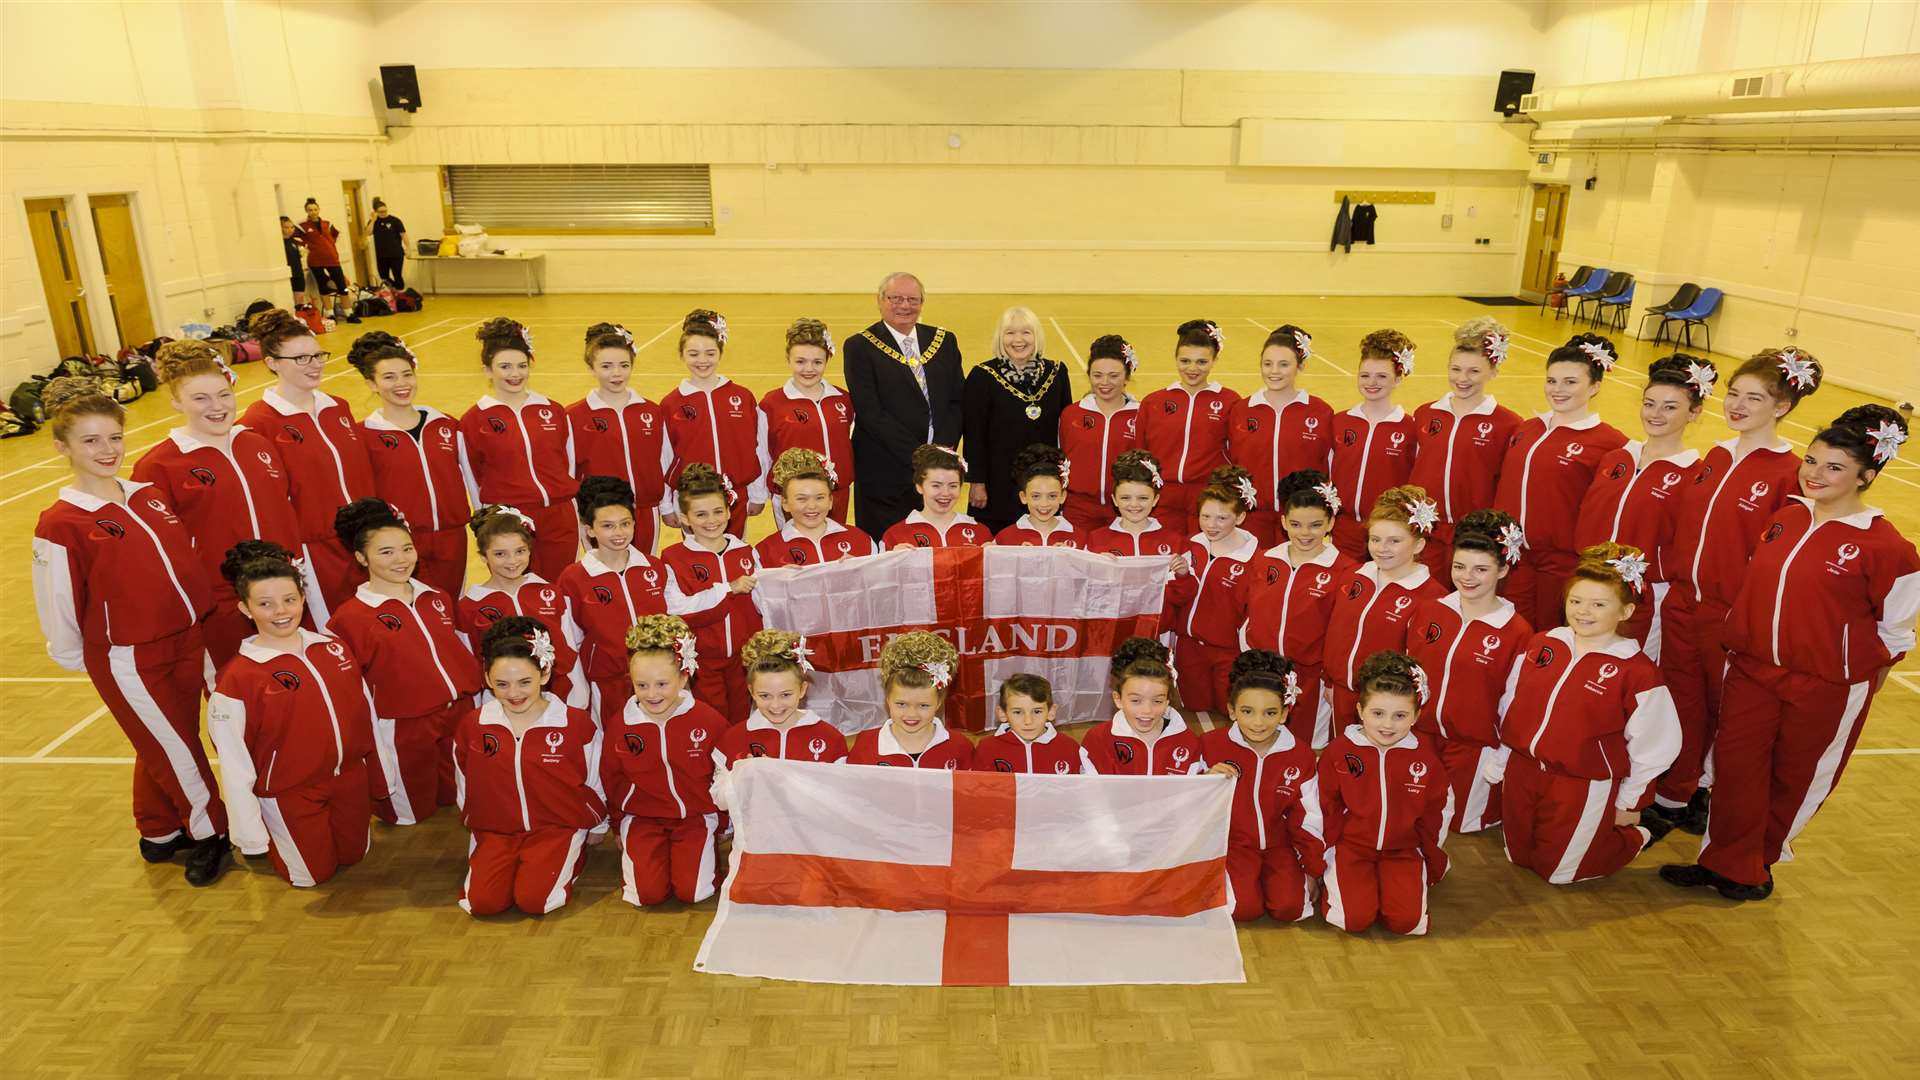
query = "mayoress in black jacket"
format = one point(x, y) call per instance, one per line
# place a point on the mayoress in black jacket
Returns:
point(904, 377)
point(1012, 401)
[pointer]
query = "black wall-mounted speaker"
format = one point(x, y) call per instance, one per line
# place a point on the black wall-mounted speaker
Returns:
point(1506, 101)
point(402, 86)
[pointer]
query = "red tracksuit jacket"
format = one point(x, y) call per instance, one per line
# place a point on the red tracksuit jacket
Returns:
point(413, 657)
point(480, 607)
point(789, 548)
point(825, 426)
point(1287, 606)
point(1270, 444)
point(1003, 751)
point(725, 428)
point(548, 778)
point(1369, 616)
point(1601, 716)
point(326, 462)
point(1546, 472)
point(1276, 800)
point(1722, 515)
point(282, 721)
point(1369, 458)
point(1092, 441)
point(627, 441)
point(1636, 502)
point(106, 574)
point(808, 739)
point(224, 494)
point(1112, 749)
point(605, 603)
point(916, 531)
point(1187, 432)
point(662, 770)
point(877, 746)
point(697, 591)
point(1395, 799)
point(1157, 540)
point(1458, 458)
point(522, 457)
point(1023, 534)
point(1835, 600)
point(1217, 609)
point(1467, 666)
point(421, 476)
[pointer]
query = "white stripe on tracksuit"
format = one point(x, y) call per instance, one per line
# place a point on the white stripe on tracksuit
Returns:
point(1594, 815)
point(389, 754)
point(569, 869)
point(126, 676)
point(297, 872)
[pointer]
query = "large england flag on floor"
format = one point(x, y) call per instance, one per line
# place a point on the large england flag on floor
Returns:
point(867, 874)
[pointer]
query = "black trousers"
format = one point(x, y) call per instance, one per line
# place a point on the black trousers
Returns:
point(877, 509)
point(391, 269)
point(331, 279)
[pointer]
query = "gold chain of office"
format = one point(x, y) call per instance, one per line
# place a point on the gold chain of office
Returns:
point(939, 339)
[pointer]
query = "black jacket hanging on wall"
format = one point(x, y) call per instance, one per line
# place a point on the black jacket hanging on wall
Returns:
point(1364, 216)
point(1342, 231)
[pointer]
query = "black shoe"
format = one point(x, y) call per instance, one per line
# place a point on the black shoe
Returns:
point(1657, 827)
point(1689, 875)
point(353, 318)
point(165, 850)
point(1669, 814)
point(209, 858)
point(1693, 820)
point(1735, 890)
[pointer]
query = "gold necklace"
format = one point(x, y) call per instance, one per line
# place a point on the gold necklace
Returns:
point(939, 339)
point(1033, 409)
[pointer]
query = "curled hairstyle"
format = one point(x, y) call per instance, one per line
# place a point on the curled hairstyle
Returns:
point(1850, 432)
point(1383, 344)
point(697, 479)
point(1769, 366)
point(501, 334)
point(606, 335)
point(1230, 486)
point(1596, 564)
point(904, 660)
point(1480, 531)
point(772, 652)
point(275, 327)
point(809, 332)
point(1387, 672)
point(1396, 505)
point(598, 492)
point(1675, 370)
point(495, 520)
point(1200, 333)
point(928, 458)
point(1480, 335)
point(1027, 685)
point(656, 634)
point(180, 360)
point(1111, 347)
point(70, 397)
point(1037, 460)
point(1135, 467)
point(706, 323)
point(356, 522)
point(1141, 658)
point(1578, 350)
point(374, 346)
point(512, 639)
point(251, 561)
point(1288, 336)
point(1299, 490)
point(1258, 669)
point(799, 463)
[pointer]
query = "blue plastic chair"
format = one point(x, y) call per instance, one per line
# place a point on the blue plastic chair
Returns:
point(1696, 314)
point(1614, 308)
point(1615, 282)
point(1579, 278)
point(1574, 294)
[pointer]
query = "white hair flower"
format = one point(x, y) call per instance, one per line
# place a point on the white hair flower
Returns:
point(1291, 691)
point(1326, 491)
point(1495, 348)
point(519, 515)
point(1703, 376)
point(542, 649)
point(1219, 339)
point(1421, 688)
point(1243, 486)
point(1887, 438)
point(826, 338)
point(526, 338)
point(1066, 470)
point(1153, 470)
point(1799, 371)
point(833, 474)
point(955, 451)
point(726, 485)
point(720, 328)
point(1599, 354)
point(1128, 357)
point(800, 654)
point(686, 654)
point(1512, 542)
point(1403, 361)
point(939, 672)
point(1423, 515)
point(1632, 568)
point(1303, 344)
point(623, 334)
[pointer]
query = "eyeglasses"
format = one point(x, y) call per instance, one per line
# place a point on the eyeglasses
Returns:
point(318, 359)
point(909, 301)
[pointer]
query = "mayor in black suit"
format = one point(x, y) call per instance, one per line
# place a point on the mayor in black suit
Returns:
point(895, 411)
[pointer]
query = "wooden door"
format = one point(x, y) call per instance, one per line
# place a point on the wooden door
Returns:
point(120, 261)
point(356, 231)
point(1545, 231)
point(59, 265)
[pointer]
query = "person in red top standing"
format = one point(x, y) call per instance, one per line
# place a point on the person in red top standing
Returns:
point(612, 587)
point(1462, 437)
point(529, 767)
point(415, 454)
point(809, 537)
point(1373, 608)
point(1185, 425)
point(1548, 467)
point(1146, 737)
point(518, 447)
point(809, 412)
point(915, 670)
point(120, 596)
point(1279, 430)
point(321, 240)
point(1826, 610)
point(616, 432)
point(1737, 489)
point(1384, 804)
point(714, 421)
point(423, 677)
point(1468, 642)
point(1026, 740)
point(710, 585)
point(937, 473)
point(1373, 442)
point(224, 480)
point(1040, 473)
point(1206, 631)
point(504, 537)
point(659, 762)
point(319, 443)
point(1637, 490)
point(1097, 429)
point(1290, 589)
point(780, 726)
point(1274, 846)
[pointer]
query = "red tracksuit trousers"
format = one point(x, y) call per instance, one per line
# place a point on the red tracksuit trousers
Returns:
point(1476, 802)
point(316, 829)
point(662, 857)
point(721, 685)
point(443, 559)
point(1538, 587)
point(1561, 827)
point(1694, 667)
point(416, 753)
point(1311, 718)
point(1268, 882)
point(154, 691)
point(533, 871)
point(1201, 671)
point(556, 538)
point(1365, 886)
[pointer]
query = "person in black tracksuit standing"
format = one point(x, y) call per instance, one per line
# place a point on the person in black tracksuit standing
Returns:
point(389, 245)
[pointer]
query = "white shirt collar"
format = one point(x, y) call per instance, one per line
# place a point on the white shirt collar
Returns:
point(958, 519)
point(1486, 405)
point(1359, 738)
point(1590, 421)
point(1245, 545)
point(479, 591)
point(1859, 521)
point(598, 401)
point(185, 439)
point(554, 715)
point(900, 339)
point(321, 403)
point(637, 715)
point(1635, 447)
point(1497, 619)
point(1172, 724)
point(378, 421)
point(1210, 388)
point(260, 654)
point(1398, 414)
point(1326, 556)
point(374, 599)
point(791, 531)
point(1283, 739)
point(1259, 397)
point(91, 503)
point(534, 397)
point(1621, 649)
point(757, 722)
point(890, 745)
point(1060, 524)
point(793, 391)
point(1044, 738)
point(1092, 405)
point(594, 565)
point(1732, 446)
point(1371, 571)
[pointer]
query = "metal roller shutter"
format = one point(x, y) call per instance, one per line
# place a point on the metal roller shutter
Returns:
point(582, 198)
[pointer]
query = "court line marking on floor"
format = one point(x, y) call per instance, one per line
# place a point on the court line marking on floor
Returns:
point(1066, 339)
point(1904, 681)
point(43, 678)
point(1318, 356)
point(76, 729)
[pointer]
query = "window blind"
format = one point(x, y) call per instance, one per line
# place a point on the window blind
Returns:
point(582, 198)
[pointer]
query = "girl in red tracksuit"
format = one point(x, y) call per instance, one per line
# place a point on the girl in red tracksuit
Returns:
point(710, 585)
point(225, 481)
point(809, 536)
point(809, 412)
point(937, 472)
point(915, 670)
point(504, 538)
point(1549, 464)
point(659, 766)
point(1586, 726)
point(1097, 429)
point(415, 454)
point(518, 447)
point(293, 721)
point(610, 589)
point(1206, 634)
point(781, 725)
point(1637, 490)
point(1462, 437)
point(120, 597)
point(1146, 736)
point(1468, 642)
point(714, 421)
point(1026, 740)
point(1274, 846)
point(1384, 805)
point(1737, 489)
point(423, 677)
point(616, 432)
point(1185, 425)
point(320, 447)
point(1826, 611)
point(1290, 589)
point(1373, 606)
point(1279, 430)
point(1134, 491)
point(1041, 472)
point(529, 772)
point(1373, 442)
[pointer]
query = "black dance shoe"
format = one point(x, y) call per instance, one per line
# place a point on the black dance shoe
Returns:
point(209, 858)
point(165, 850)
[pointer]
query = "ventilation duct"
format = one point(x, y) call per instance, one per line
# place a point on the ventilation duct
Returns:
point(1879, 82)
